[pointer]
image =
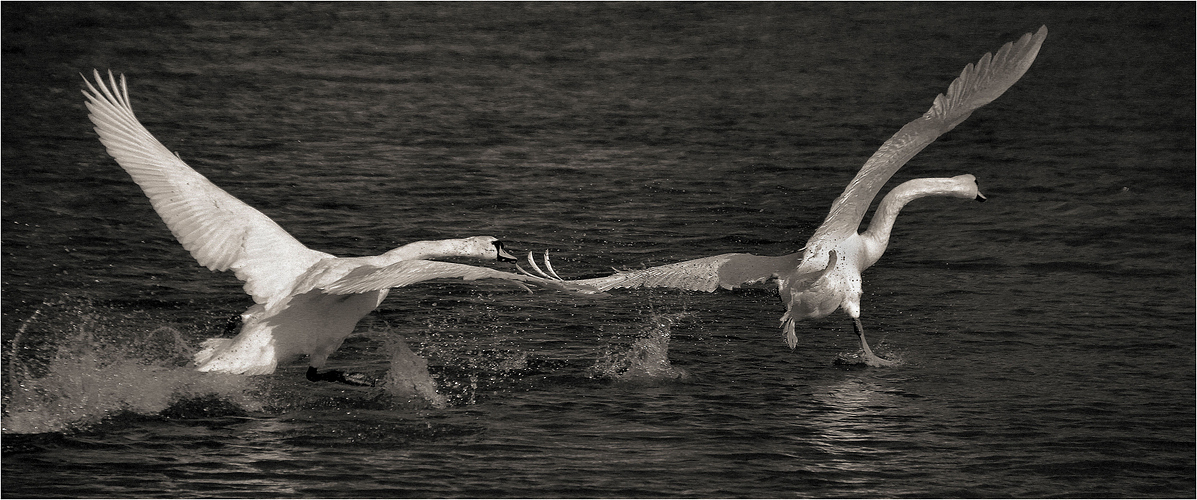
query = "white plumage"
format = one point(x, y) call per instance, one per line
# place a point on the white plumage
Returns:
point(825, 274)
point(307, 302)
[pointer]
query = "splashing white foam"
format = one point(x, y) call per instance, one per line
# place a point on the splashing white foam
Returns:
point(408, 375)
point(647, 359)
point(84, 376)
point(857, 358)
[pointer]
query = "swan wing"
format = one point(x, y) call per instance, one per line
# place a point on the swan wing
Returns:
point(976, 86)
point(219, 230)
point(706, 274)
point(367, 278)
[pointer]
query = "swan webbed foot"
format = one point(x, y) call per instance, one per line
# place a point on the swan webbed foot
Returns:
point(867, 357)
point(348, 378)
point(876, 361)
point(872, 361)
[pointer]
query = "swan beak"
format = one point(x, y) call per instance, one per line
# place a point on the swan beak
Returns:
point(980, 197)
point(502, 255)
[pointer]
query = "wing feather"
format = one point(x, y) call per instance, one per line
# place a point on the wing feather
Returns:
point(706, 274)
point(976, 86)
point(368, 278)
point(219, 230)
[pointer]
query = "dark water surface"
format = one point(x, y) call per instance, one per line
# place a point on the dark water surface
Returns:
point(1045, 337)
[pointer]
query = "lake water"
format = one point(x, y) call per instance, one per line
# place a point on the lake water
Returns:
point(1045, 338)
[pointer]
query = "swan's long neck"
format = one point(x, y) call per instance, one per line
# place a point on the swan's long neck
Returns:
point(876, 237)
point(432, 249)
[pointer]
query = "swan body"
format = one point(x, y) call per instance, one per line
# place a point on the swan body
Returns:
point(306, 301)
point(825, 275)
point(312, 318)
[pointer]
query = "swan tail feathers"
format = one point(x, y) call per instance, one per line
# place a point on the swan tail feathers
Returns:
point(251, 354)
point(209, 349)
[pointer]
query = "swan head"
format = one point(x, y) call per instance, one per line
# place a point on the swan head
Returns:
point(966, 187)
point(487, 247)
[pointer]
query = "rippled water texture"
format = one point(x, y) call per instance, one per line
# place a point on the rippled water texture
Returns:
point(1045, 338)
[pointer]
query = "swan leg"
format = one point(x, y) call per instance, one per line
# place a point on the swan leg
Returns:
point(349, 378)
point(869, 358)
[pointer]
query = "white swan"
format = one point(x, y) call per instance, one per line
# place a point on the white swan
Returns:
point(307, 302)
point(825, 275)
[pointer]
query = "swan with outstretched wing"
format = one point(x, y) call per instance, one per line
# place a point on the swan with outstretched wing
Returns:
point(825, 274)
point(306, 301)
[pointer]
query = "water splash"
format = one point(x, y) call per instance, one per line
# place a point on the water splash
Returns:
point(408, 375)
point(461, 369)
point(647, 359)
point(459, 375)
point(856, 359)
point(80, 375)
